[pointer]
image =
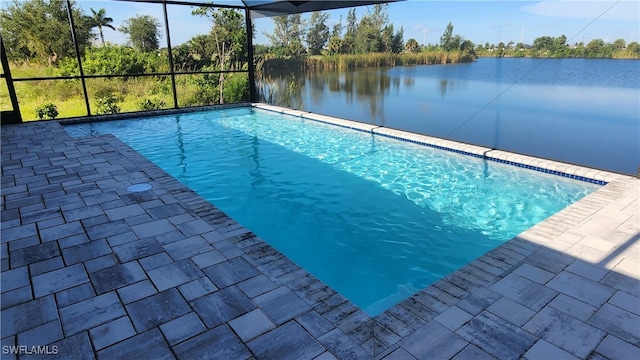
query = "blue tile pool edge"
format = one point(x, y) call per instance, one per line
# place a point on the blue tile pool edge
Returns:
point(146, 114)
point(405, 136)
point(400, 135)
point(507, 162)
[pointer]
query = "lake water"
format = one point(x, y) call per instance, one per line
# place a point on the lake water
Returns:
point(581, 111)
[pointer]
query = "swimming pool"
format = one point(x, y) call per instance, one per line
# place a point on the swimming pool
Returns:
point(377, 219)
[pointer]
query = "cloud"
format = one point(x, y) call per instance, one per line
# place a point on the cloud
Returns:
point(608, 10)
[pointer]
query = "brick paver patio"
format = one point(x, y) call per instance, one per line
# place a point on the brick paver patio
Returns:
point(95, 271)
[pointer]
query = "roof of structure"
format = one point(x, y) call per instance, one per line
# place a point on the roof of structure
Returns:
point(282, 7)
point(266, 8)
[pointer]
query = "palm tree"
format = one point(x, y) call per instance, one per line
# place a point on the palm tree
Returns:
point(99, 20)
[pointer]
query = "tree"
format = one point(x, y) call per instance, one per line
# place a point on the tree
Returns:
point(560, 41)
point(229, 33)
point(386, 38)
point(620, 44)
point(374, 34)
point(411, 45)
point(634, 48)
point(379, 17)
point(543, 43)
point(449, 41)
point(501, 48)
point(578, 50)
point(287, 33)
point(368, 37)
point(99, 20)
point(335, 44)
point(607, 51)
point(39, 29)
point(468, 46)
point(391, 42)
point(560, 46)
point(351, 23)
point(348, 42)
point(318, 32)
point(143, 32)
point(196, 53)
point(337, 28)
point(595, 45)
point(445, 39)
point(456, 42)
point(398, 41)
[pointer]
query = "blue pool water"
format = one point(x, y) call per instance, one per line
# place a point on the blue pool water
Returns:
point(376, 219)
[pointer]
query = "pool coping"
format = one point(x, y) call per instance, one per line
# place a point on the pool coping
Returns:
point(451, 313)
point(576, 172)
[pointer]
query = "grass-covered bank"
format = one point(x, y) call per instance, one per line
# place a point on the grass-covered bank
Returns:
point(354, 61)
point(122, 94)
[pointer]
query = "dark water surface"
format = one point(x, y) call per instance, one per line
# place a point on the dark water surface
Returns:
point(581, 111)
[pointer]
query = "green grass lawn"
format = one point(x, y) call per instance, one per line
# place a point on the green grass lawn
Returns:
point(68, 95)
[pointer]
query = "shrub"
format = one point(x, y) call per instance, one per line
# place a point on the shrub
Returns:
point(148, 105)
point(103, 88)
point(115, 60)
point(108, 105)
point(236, 88)
point(207, 90)
point(68, 67)
point(46, 111)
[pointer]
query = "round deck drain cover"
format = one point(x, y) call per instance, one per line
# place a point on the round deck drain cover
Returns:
point(139, 187)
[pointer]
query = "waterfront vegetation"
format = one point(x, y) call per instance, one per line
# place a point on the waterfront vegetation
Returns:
point(366, 42)
point(352, 61)
point(37, 38)
point(558, 47)
point(129, 94)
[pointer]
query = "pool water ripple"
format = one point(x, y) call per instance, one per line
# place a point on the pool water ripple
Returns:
point(375, 218)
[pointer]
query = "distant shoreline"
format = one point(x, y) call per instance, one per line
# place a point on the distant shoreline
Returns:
point(554, 57)
point(607, 52)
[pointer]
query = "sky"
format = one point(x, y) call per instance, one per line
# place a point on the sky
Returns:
point(424, 20)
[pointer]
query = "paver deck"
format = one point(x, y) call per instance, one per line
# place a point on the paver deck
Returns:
point(91, 270)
